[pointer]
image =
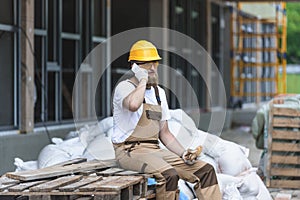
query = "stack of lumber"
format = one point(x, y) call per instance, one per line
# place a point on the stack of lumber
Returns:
point(283, 163)
point(76, 179)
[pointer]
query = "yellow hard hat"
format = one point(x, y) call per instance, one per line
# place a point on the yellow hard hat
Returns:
point(143, 50)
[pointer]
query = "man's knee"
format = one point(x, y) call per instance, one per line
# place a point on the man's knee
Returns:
point(171, 177)
point(207, 176)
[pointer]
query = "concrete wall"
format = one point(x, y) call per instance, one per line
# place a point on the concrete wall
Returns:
point(26, 146)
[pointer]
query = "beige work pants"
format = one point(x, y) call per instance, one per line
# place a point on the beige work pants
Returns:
point(167, 168)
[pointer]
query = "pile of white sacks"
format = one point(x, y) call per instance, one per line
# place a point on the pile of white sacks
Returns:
point(237, 178)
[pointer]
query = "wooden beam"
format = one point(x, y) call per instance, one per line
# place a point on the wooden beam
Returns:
point(27, 66)
point(55, 171)
point(209, 51)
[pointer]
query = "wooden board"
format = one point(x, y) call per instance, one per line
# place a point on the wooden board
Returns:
point(73, 161)
point(84, 181)
point(84, 198)
point(93, 186)
point(291, 172)
point(110, 171)
point(4, 180)
point(22, 186)
point(120, 183)
point(112, 183)
point(127, 173)
point(4, 187)
point(286, 112)
point(54, 184)
point(57, 193)
point(285, 147)
point(286, 122)
point(55, 171)
point(294, 160)
point(285, 183)
point(286, 135)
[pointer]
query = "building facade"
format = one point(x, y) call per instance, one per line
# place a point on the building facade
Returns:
point(43, 44)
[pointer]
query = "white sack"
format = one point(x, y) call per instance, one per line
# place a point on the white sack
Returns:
point(181, 133)
point(100, 148)
point(209, 160)
point(51, 155)
point(230, 192)
point(105, 124)
point(226, 182)
point(72, 134)
point(249, 188)
point(185, 189)
point(110, 132)
point(186, 121)
point(231, 157)
point(88, 133)
point(73, 146)
point(23, 166)
point(263, 193)
point(232, 160)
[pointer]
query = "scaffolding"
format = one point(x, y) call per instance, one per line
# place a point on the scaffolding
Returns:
point(258, 55)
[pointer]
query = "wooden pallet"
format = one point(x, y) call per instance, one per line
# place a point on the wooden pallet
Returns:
point(71, 181)
point(283, 164)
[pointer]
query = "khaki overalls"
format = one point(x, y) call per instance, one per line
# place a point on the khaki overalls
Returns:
point(141, 152)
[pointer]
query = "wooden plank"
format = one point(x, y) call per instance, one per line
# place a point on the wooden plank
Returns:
point(58, 193)
point(26, 124)
point(70, 162)
point(286, 112)
point(55, 171)
point(127, 173)
point(82, 182)
point(127, 193)
point(286, 159)
point(293, 172)
point(54, 184)
point(110, 171)
point(112, 183)
point(107, 197)
point(286, 122)
point(40, 197)
point(286, 147)
point(21, 198)
point(287, 135)
point(87, 173)
point(120, 183)
point(4, 180)
point(269, 145)
point(285, 184)
point(22, 186)
point(138, 189)
point(93, 186)
point(84, 198)
point(4, 187)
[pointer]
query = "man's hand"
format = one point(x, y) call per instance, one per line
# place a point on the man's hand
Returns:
point(139, 72)
point(189, 156)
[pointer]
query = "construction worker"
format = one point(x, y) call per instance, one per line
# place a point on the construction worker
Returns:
point(140, 118)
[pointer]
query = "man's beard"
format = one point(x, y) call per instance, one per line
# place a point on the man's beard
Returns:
point(152, 81)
